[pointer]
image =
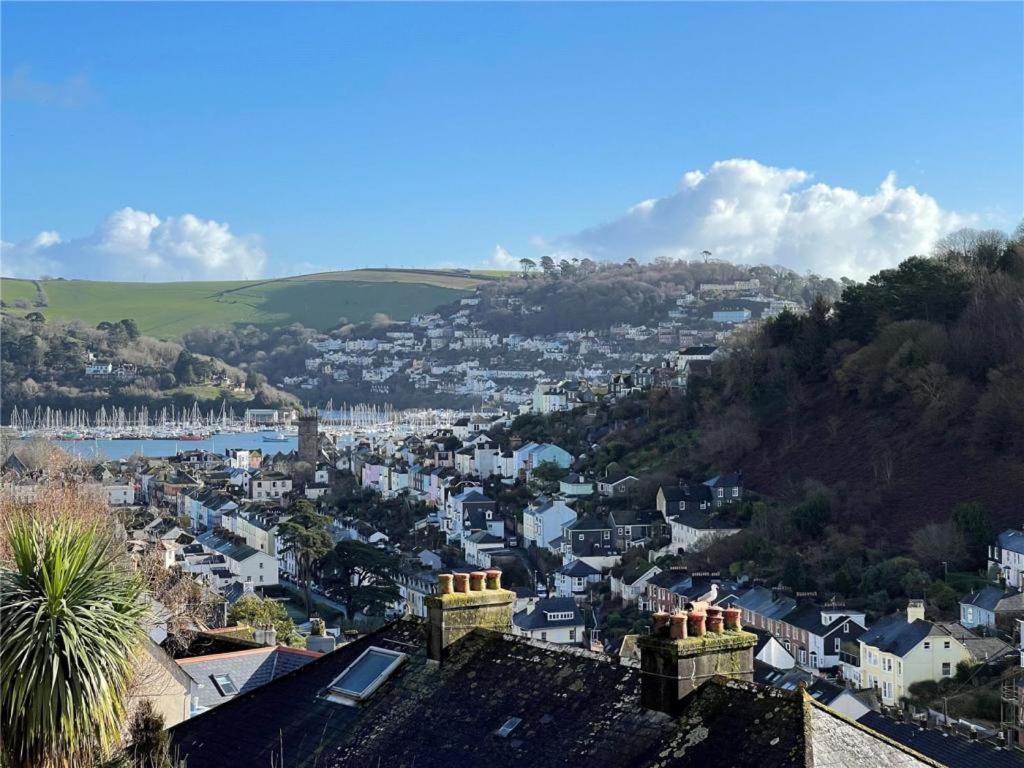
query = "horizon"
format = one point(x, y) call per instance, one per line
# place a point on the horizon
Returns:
point(294, 139)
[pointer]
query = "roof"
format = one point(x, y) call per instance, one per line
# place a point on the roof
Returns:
point(949, 749)
point(1011, 539)
point(578, 569)
point(725, 481)
point(248, 669)
point(539, 616)
point(993, 598)
point(235, 551)
point(500, 700)
point(703, 522)
point(895, 635)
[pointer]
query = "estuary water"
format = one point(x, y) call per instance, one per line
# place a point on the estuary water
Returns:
point(120, 449)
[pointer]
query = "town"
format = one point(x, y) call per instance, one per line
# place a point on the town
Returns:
point(296, 554)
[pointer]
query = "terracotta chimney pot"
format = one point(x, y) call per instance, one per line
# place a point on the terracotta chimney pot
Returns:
point(476, 581)
point(444, 584)
point(494, 579)
point(715, 624)
point(677, 627)
point(733, 619)
point(462, 582)
point(696, 624)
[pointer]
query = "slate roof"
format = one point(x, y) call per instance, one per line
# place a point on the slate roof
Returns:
point(248, 669)
point(993, 598)
point(578, 569)
point(951, 750)
point(703, 522)
point(538, 617)
point(1012, 540)
point(895, 635)
point(574, 708)
point(235, 551)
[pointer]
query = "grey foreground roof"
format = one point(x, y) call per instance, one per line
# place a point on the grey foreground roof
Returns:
point(502, 701)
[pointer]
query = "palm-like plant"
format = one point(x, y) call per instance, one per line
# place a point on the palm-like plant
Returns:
point(70, 624)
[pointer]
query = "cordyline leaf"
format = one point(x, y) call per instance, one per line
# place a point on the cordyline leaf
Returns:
point(70, 623)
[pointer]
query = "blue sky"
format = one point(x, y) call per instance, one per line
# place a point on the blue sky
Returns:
point(336, 136)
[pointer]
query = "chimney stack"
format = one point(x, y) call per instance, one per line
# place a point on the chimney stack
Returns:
point(463, 603)
point(915, 610)
point(686, 648)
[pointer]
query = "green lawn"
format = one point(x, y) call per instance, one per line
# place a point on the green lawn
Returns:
point(168, 310)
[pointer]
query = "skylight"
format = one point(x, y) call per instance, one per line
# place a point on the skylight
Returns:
point(225, 685)
point(509, 725)
point(364, 675)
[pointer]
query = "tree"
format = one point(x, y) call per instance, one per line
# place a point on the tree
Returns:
point(548, 265)
point(71, 621)
point(184, 368)
point(360, 577)
point(527, 265)
point(255, 611)
point(549, 472)
point(971, 519)
point(35, 317)
point(305, 536)
point(131, 328)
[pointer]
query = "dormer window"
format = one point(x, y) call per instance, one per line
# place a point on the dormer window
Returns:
point(364, 675)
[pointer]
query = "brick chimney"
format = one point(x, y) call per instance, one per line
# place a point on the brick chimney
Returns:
point(465, 602)
point(687, 648)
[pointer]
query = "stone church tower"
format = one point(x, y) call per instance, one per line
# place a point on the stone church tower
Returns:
point(309, 438)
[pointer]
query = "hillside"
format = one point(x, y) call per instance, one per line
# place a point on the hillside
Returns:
point(905, 398)
point(169, 310)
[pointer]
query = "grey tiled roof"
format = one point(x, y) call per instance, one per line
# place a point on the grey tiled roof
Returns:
point(248, 670)
point(951, 750)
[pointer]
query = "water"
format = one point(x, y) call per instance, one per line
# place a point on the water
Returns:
point(120, 449)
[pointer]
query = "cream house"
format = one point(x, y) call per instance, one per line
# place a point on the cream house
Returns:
point(899, 651)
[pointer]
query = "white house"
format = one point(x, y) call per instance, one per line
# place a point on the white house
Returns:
point(553, 620)
point(1007, 556)
point(543, 521)
point(269, 485)
point(246, 564)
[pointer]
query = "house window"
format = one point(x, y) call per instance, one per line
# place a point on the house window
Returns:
point(572, 633)
point(945, 644)
point(261, 565)
point(580, 537)
point(927, 645)
point(836, 645)
point(364, 675)
point(607, 535)
point(543, 635)
point(803, 656)
point(786, 643)
point(225, 685)
point(735, 493)
point(618, 531)
point(947, 669)
point(846, 627)
point(721, 493)
point(886, 690)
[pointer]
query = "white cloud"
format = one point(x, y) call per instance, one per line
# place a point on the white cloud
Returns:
point(76, 91)
point(746, 212)
point(502, 259)
point(134, 245)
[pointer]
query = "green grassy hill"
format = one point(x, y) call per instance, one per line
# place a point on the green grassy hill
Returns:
point(167, 310)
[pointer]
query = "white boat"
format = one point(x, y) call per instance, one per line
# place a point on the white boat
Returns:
point(277, 437)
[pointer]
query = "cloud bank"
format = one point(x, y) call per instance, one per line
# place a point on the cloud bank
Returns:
point(134, 245)
point(746, 212)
